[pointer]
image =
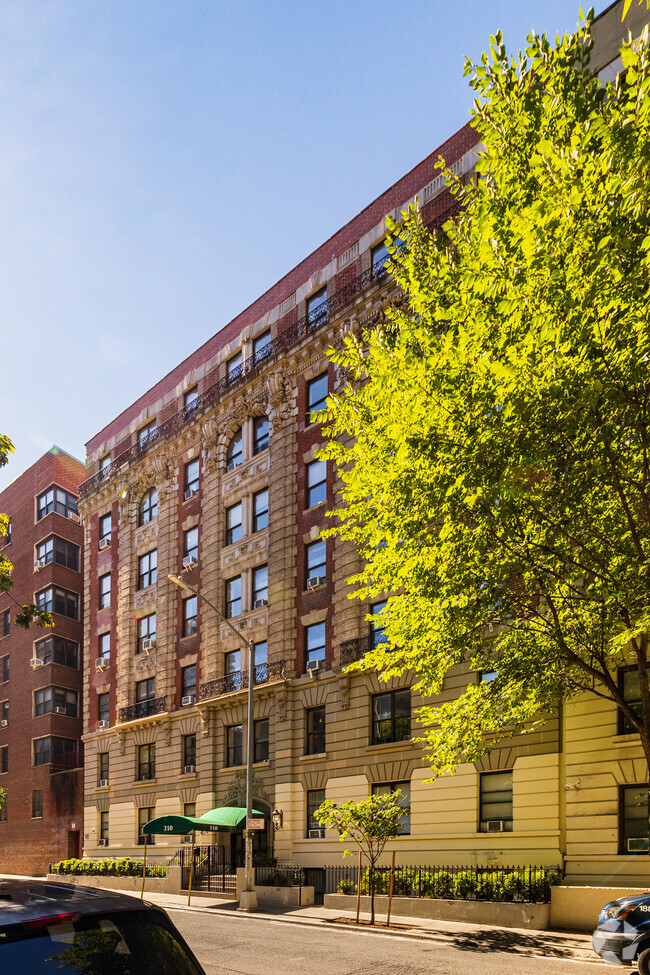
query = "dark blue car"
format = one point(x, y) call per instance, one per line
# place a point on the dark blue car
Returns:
point(623, 933)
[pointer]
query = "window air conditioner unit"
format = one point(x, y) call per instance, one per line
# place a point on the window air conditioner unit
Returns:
point(60, 711)
point(496, 825)
point(101, 842)
point(103, 784)
point(191, 493)
point(313, 666)
point(38, 564)
point(4, 723)
point(148, 645)
point(189, 562)
point(73, 516)
point(231, 466)
point(35, 663)
point(104, 724)
point(101, 663)
point(637, 844)
point(259, 603)
point(104, 542)
point(316, 834)
point(188, 699)
point(188, 769)
point(315, 581)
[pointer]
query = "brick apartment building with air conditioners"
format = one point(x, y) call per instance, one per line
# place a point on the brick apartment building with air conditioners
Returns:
point(41, 760)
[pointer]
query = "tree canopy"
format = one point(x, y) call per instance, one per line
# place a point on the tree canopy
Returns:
point(493, 441)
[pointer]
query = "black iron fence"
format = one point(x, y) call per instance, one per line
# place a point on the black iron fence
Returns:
point(528, 884)
point(212, 870)
point(279, 876)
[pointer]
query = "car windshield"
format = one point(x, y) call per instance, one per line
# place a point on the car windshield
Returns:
point(120, 943)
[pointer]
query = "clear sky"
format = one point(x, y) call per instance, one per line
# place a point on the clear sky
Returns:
point(163, 162)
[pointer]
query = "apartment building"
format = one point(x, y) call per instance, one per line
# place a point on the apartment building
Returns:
point(213, 474)
point(41, 760)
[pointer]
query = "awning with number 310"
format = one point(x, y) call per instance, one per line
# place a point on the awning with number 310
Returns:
point(227, 819)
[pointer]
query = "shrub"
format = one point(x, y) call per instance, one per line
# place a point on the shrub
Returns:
point(436, 884)
point(125, 867)
point(346, 886)
point(464, 884)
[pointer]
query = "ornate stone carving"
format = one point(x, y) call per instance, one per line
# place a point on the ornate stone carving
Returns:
point(281, 704)
point(205, 722)
point(210, 436)
point(280, 396)
point(344, 688)
point(236, 794)
point(144, 598)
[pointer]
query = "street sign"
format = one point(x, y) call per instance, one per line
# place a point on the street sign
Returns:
point(255, 824)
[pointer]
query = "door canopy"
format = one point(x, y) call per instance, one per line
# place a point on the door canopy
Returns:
point(226, 819)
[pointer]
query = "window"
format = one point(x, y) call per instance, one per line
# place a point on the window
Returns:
point(633, 819)
point(56, 699)
point(261, 740)
point(4, 758)
point(487, 676)
point(234, 367)
point(103, 827)
point(261, 347)
point(192, 478)
point(315, 642)
point(315, 731)
point(105, 590)
point(7, 538)
point(232, 662)
point(191, 398)
point(55, 499)
point(316, 482)
point(104, 463)
point(3, 813)
point(188, 681)
point(64, 752)
point(391, 716)
point(233, 597)
point(4, 711)
point(260, 583)
point(147, 569)
point(317, 307)
point(234, 745)
point(146, 762)
point(260, 434)
point(148, 509)
point(145, 815)
point(104, 646)
point(189, 810)
point(191, 543)
point(316, 396)
point(54, 649)
point(105, 526)
point(385, 788)
point(145, 690)
point(103, 766)
point(376, 627)
point(37, 804)
point(260, 671)
point(315, 564)
point(234, 523)
point(6, 622)
point(190, 623)
point(102, 707)
point(260, 510)
point(496, 801)
point(630, 689)
point(59, 601)
point(189, 751)
point(147, 434)
point(315, 798)
point(5, 669)
point(378, 257)
point(146, 630)
point(234, 453)
point(58, 550)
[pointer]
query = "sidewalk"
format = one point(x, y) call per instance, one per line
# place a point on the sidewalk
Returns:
point(549, 944)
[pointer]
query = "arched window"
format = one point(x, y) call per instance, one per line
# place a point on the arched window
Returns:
point(148, 506)
point(234, 452)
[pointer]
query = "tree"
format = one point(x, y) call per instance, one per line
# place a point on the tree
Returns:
point(493, 443)
point(28, 612)
point(370, 823)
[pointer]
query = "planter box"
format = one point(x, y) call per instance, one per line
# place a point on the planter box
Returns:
point(500, 914)
point(285, 896)
point(577, 908)
point(152, 885)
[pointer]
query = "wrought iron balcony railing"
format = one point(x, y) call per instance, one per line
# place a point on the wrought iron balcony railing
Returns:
point(263, 674)
point(142, 709)
point(353, 650)
point(294, 333)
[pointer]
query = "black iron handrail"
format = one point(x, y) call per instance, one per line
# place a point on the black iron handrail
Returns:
point(263, 673)
point(142, 709)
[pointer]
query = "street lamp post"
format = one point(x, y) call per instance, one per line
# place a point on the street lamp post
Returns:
point(248, 897)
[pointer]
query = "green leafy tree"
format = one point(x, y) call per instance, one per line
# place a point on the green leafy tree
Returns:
point(369, 823)
point(28, 613)
point(493, 443)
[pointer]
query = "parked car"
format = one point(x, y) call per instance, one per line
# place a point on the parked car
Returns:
point(61, 928)
point(623, 933)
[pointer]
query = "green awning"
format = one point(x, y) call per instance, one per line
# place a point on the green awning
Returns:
point(227, 819)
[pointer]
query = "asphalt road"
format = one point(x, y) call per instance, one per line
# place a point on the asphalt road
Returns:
point(240, 945)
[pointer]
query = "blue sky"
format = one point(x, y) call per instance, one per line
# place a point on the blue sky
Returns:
point(163, 162)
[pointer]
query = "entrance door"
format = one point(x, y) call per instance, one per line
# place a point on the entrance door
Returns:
point(74, 844)
point(238, 846)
